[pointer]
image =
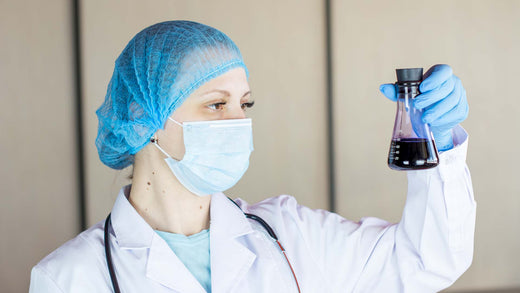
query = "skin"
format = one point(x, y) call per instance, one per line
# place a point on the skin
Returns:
point(156, 194)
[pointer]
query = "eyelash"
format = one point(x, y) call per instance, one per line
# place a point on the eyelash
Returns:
point(244, 105)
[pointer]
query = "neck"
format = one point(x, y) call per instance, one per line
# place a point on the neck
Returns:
point(163, 202)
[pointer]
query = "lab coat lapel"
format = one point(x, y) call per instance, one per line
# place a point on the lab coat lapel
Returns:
point(230, 259)
point(163, 266)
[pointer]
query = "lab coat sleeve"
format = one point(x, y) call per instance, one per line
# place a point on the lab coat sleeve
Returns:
point(426, 251)
point(432, 245)
point(42, 282)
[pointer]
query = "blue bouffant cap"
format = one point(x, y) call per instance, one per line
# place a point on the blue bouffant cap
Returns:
point(158, 69)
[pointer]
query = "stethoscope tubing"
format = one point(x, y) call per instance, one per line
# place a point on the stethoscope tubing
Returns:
point(108, 255)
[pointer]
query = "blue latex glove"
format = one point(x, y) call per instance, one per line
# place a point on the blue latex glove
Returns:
point(443, 99)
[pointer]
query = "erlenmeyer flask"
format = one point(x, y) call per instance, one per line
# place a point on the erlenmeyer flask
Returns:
point(412, 146)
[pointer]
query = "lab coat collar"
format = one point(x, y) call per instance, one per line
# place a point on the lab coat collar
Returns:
point(230, 259)
point(130, 229)
point(133, 232)
point(226, 219)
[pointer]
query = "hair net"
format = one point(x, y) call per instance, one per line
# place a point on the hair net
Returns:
point(158, 69)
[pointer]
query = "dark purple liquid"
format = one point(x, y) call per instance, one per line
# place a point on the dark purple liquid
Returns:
point(412, 154)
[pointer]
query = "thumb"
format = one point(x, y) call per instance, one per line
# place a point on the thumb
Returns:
point(388, 89)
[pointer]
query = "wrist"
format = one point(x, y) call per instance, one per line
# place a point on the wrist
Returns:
point(443, 141)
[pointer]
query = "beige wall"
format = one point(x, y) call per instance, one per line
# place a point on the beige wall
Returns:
point(481, 41)
point(38, 195)
point(283, 45)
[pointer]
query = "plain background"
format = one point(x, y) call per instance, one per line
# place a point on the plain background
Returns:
point(283, 44)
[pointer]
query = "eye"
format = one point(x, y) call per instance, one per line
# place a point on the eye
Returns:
point(247, 105)
point(217, 106)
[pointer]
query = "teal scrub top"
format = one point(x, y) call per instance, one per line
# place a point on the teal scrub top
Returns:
point(193, 251)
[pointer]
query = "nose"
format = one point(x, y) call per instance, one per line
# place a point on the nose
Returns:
point(235, 112)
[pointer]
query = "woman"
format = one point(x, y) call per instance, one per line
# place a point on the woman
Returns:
point(175, 109)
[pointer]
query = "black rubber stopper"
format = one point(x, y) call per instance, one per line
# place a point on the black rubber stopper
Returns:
point(409, 74)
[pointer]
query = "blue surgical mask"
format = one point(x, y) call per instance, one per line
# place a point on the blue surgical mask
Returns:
point(216, 157)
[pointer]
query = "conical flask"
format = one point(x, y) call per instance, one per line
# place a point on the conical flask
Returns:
point(412, 146)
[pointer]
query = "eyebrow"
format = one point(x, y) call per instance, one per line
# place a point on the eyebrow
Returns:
point(226, 93)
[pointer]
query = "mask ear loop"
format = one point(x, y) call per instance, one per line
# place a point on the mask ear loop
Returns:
point(155, 141)
point(175, 121)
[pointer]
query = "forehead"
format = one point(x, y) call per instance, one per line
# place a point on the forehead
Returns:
point(234, 80)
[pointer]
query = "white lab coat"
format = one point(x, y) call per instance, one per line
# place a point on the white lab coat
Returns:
point(426, 251)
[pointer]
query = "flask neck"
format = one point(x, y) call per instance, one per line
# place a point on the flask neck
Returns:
point(408, 89)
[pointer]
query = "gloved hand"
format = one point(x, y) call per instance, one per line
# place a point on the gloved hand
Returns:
point(443, 99)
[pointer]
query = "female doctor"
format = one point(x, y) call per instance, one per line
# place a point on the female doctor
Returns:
point(175, 109)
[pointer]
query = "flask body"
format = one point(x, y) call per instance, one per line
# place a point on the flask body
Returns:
point(412, 146)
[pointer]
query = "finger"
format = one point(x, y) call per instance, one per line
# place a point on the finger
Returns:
point(388, 89)
point(455, 116)
point(429, 98)
point(435, 76)
point(443, 106)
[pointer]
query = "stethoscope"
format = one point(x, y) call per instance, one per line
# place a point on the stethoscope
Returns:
point(259, 220)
